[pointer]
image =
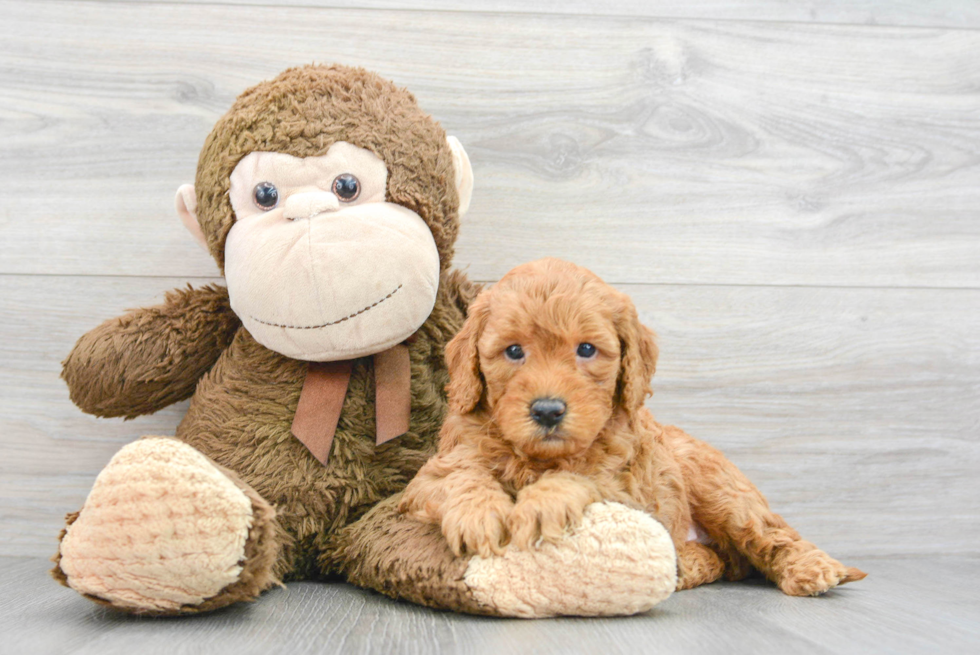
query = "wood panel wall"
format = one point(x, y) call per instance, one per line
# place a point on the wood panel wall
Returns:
point(789, 190)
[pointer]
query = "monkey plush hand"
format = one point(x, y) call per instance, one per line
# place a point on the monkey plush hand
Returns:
point(331, 202)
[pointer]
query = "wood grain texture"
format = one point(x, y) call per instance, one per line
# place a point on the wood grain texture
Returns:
point(662, 151)
point(948, 13)
point(904, 606)
point(854, 410)
point(793, 203)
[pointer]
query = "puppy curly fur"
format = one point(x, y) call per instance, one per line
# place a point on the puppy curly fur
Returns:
point(502, 478)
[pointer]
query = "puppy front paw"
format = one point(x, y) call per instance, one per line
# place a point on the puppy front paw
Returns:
point(477, 528)
point(545, 519)
point(813, 572)
point(548, 509)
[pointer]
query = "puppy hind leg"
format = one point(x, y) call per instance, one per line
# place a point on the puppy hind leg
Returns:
point(797, 566)
point(802, 569)
point(697, 564)
point(733, 511)
point(740, 513)
point(737, 565)
point(699, 560)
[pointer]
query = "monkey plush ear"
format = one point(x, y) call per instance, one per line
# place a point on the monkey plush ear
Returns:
point(186, 202)
point(464, 174)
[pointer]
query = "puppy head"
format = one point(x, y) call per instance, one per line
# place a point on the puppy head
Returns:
point(551, 352)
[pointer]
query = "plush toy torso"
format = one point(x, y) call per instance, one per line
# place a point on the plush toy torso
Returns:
point(241, 412)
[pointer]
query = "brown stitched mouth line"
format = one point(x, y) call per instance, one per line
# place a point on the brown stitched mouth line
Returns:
point(346, 318)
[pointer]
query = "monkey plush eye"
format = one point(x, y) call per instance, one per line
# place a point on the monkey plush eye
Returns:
point(265, 195)
point(586, 351)
point(346, 187)
point(514, 353)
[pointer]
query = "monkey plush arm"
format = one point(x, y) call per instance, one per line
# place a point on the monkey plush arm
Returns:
point(152, 357)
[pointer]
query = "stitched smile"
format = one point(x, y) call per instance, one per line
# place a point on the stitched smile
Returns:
point(317, 327)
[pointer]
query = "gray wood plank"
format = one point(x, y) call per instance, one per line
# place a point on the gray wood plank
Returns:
point(854, 410)
point(904, 606)
point(942, 13)
point(650, 150)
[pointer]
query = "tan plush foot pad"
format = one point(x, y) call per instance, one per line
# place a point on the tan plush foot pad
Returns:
point(162, 528)
point(619, 561)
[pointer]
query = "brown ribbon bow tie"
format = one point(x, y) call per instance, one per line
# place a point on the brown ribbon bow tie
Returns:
point(324, 391)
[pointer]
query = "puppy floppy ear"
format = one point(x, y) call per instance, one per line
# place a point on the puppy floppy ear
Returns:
point(638, 359)
point(466, 384)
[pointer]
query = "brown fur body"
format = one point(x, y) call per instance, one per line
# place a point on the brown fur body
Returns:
point(502, 478)
point(241, 414)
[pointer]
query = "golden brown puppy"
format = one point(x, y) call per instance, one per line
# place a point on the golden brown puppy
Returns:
point(549, 377)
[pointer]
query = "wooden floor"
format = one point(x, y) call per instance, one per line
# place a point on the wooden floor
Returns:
point(790, 190)
point(923, 605)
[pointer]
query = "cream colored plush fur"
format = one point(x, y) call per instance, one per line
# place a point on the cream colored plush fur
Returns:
point(289, 266)
point(161, 528)
point(604, 568)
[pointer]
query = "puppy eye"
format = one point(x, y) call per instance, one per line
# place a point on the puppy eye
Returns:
point(514, 353)
point(586, 350)
point(346, 187)
point(265, 195)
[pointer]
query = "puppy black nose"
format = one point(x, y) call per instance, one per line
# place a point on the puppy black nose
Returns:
point(548, 411)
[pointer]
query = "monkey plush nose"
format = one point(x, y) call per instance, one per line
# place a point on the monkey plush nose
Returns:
point(308, 205)
point(548, 411)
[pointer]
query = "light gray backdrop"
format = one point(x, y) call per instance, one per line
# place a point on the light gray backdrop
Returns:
point(790, 191)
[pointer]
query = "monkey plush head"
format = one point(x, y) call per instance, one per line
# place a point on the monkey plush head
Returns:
point(331, 201)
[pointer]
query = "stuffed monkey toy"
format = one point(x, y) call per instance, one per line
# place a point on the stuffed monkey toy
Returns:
point(331, 203)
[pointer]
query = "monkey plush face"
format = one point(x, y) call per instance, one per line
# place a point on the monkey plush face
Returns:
point(318, 264)
point(332, 203)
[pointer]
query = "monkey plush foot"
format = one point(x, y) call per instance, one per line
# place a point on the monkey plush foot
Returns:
point(166, 531)
point(618, 561)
